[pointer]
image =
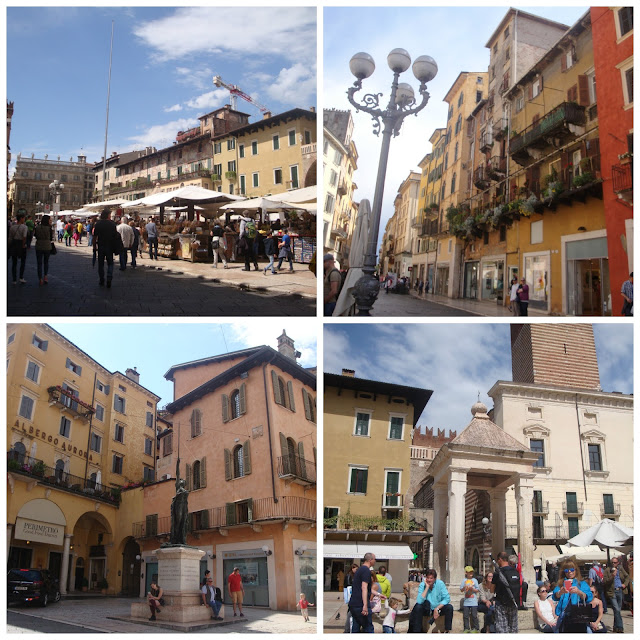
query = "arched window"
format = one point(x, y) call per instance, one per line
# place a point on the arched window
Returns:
point(91, 483)
point(235, 404)
point(59, 470)
point(453, 183)
point(196, 475)
point(292, 450)
point(238, 462)
point(196, 423)
point(283, 392)
point(455, 156)
point(19, 452)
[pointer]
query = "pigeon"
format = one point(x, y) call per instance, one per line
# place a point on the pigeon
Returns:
point(338, 616)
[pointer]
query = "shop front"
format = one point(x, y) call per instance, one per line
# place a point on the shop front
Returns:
point(492, 279)
point(442, 280)
point(471, 274)
point(537, 268)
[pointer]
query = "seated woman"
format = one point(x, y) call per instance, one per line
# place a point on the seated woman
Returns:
point(597, 626)
point(547, 618)
point(578, 591)
point(486, 604)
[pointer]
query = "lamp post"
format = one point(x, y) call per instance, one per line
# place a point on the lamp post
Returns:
point(401, 104)
point(56, 188)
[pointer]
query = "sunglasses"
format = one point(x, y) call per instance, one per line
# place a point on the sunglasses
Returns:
point(542, 591)
point(569, 570)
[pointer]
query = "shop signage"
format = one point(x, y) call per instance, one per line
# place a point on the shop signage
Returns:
point(244, 553)
point(52, 439)
point(36, 531)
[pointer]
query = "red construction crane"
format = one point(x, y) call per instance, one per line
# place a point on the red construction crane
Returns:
point(235, 91)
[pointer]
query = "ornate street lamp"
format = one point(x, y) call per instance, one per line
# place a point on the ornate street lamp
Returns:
point(56, 188)
point(401, 104)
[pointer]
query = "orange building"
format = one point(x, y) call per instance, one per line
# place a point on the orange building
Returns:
point(244, 431)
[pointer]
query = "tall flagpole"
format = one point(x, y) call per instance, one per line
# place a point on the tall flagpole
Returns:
point(106, 129)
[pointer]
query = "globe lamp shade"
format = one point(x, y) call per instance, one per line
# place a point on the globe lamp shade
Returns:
point(425, 68)
point(398, 60)
point(362, 65)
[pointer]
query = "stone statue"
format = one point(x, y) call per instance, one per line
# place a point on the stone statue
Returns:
point(179, 511)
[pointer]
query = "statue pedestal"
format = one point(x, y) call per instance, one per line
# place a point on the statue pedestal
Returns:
point(179, 577)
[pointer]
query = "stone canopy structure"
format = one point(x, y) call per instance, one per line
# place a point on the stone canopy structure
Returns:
point(483, 457)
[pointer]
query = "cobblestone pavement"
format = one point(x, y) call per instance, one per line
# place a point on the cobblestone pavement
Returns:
point(394, 304)
point(93, 615)
point(158, 288)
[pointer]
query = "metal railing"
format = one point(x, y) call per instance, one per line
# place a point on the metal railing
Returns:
point(297, 467)
point(258, 510)
point(540, 507)
point(143, 183)
point(70, 402)
point(565, 113)
point(547, 531)
point(392, 501)
point(622, 177)
point(497, 165)
point(480, 177)
point(34, 468)
point(609, 510)
point(486, 141)
point(575, 508)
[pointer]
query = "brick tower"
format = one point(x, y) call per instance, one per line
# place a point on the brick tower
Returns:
point(557, 354)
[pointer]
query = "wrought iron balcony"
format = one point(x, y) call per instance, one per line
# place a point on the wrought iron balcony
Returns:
point(497, 168)
point(622, 175)
point(609, 510)
point(573, 509)
point(297, 469)
point(540, 508)
point(392, 501)
point(69, 403)
point(33, 468)
point(342, 188)
point(486, 142)
point(480, 178)
point(500, 128)
point(557, 123)
point(349, 521)
point(416, 223)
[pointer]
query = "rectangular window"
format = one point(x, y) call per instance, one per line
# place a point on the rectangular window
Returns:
point(243, 184)
point(292, 138)
point(147, 474)
point(254, 147)
point(26, 407)
point(276, 142)
point(358, 480)
point(217, 170)
point(392, 487)
point(294, 176)
point(538, 527)
point(572, 502)
point(217, 147)
point(119, 404)
point(362, 424)
point(72, 366)
point(149, 419)
point(307, 136)
point(167, 445)
point(625, 20)
point(241, 151)
point(231, 144)
point(537, 501)
point(119, 433)
point(574, 528)
point(537, 446)
point(277, 176)
point(100, 412)
point(43, 345)
point(148, 446)
point(117, 464)
point(395, 428)
point(231, 166)
point(96, 443)
point(328, 203)
point(607, 503)
point(33, 371)
point(333, 178)
point(65, 427)
point(595, 460)
point(329, 514)
point(101, 386)
point(255, 179)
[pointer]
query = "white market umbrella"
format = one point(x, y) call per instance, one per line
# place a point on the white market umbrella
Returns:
point(606, 533)
point(306, 194)
point(105, 203)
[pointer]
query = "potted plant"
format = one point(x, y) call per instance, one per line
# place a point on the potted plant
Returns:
point(13, 465)
point(582, 179)
point(103, 585)
point(625, 158)
point(38, 468)
point(85, 584)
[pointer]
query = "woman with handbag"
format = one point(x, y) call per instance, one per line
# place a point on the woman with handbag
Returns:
point(572, 594)
point(154, 597)
point(44, 247)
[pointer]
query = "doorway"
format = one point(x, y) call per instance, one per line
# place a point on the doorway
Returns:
point(131, 569)
point(589, 284)
point(471, 270)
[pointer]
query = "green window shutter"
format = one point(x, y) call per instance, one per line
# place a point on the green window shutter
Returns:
point(276, 388)
point(353, 481)
point(44, 345)
point(246, 454)
point(303, 466)
point(188, 477)
point(306, 401)
point(203, 472)
point(79, 370)
point(66, 365)
point(250, 509)
point(243, 399)
point(365, 476)
point(292, 404)
point(284, 448)
point(227, 464)
point(225, 408)
point(231, 513)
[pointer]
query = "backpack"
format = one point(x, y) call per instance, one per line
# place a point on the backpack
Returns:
point(343, 276)
point(218, 595)
point(250, 229)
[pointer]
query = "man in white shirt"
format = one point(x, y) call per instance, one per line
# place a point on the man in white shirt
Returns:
point(127, 235)
point(208, 593)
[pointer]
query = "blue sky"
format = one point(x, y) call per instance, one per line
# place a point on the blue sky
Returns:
point(163, 63)
point(154, 347)
point(454, 36)
point(456, 361)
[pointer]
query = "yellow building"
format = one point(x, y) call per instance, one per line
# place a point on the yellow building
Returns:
point(273, 155)
point(77, 435)
point(368, 430)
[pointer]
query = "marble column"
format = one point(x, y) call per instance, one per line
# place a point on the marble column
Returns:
point(440, 505)
point(524, 501)
point(498, 520)
point(64, 569)
point(457, 487)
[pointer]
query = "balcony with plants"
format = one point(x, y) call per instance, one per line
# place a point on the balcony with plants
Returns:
point(351, 522)
point(69, 403)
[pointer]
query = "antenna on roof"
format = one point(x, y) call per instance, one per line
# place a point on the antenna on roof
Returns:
point(225, 340)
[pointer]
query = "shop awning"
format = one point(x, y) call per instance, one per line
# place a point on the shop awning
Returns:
point(382, 551)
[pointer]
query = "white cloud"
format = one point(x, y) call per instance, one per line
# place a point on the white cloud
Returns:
point(175, 107)
point(208, 101)
point(196, 77)
point(162, 135)
point(295, 85)
point(289, 32)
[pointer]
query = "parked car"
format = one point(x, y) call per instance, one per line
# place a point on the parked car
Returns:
point(37, 586)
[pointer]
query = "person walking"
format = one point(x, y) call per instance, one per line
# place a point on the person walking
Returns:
point(44, 240)
point(348, 588)
point(360, 596)
point(332, 280)
point(514, 304)
point(246, 239)
point(523, 297)
point(106, 240)
point(60, 229)
point(68, 233)
point(152, 237)
point(285, 252)
point(271, 251)
point(218, 245)
point(208, 594)
point(154, 597)
point(506, 586)
point(596, 579)
point(80, 229)
point(17, 244)
point(30, 230)
point(136, 243)
point(393, 609)
point(236, 590)
point(303, 604)
point(127, 235)
point(616, 580)
point(627, 294)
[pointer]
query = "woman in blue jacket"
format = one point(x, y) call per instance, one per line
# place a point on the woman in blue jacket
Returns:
point(578, 592)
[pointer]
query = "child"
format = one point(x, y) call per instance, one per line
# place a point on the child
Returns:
point(470, 606)
point(376, 595)
point(303, 605)
point(389, 623)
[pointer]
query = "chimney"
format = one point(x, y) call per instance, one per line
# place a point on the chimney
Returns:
point(266, 114)
point(312, 109)
point(82, 159)
point(133, 374)
point(286, 347)
point(349, 373)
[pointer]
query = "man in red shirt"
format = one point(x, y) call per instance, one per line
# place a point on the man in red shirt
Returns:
point(236, 590)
